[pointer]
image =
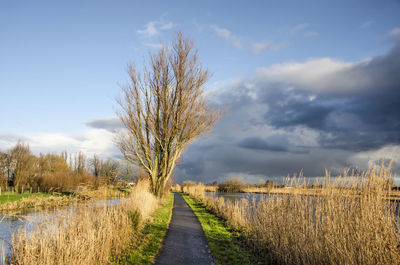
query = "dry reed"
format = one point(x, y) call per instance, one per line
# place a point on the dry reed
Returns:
point(88, 235)
point(350, 221)
point(37, 202)
point(55, 201)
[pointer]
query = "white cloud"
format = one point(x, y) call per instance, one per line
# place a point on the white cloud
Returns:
point(324, 74)
point(386, 152)
point(153, 45)
point(153, 28)
point(149, 30)
point(229, 36)
point(311, 33)
point(92, 141)
point(258, 47)
point(394, 34)
point(167, 25)
point(299, 27)
point(367, 24)
point(303, 28)
point(389, 152)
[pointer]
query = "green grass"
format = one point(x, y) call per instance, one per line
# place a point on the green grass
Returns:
point(227, 246)
point(123, 190)
point(10, 196)
point(151, 237)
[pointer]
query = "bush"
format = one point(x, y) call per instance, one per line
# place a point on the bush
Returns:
point(64, 181)
point(231, 185)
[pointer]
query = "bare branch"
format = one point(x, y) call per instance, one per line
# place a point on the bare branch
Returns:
point(164, 109)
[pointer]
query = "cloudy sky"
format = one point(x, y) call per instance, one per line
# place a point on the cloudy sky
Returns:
point(307, 85)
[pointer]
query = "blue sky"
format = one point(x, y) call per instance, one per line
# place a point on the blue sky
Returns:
point(61, 62)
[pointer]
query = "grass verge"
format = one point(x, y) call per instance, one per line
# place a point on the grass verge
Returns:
point(227, 246)
point(151, 236)
point(10, 196)
point(40, 201)
point(12, 202)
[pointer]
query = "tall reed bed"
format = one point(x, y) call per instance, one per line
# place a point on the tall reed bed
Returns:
point(88, 235)
point(349, 222)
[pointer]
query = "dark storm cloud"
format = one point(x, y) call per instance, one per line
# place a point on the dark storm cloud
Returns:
point(279, 124)
point(192, 167)
point(260, 144)
point(364, 118)
point(109, 123)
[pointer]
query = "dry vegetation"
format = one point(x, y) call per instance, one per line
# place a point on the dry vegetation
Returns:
point(22, 171)
point(350, 221)
point(89, 235)
point(39, 201)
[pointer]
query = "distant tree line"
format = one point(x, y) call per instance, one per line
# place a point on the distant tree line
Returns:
point(21, 170)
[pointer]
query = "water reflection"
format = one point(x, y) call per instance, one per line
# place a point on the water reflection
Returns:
point(9, 225)
point(238, 196)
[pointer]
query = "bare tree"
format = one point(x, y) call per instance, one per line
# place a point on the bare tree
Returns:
point(110, 170)
point(4, 169)
point(96, 163)
point(23, 165)
point(80, 163)
point(164, 109)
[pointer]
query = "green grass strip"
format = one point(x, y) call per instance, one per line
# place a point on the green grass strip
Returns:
point(9, 196)
point(227, 246)
point(152, 236)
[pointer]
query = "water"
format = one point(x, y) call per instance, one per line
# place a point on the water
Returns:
point(27, 220)
point(238, 196)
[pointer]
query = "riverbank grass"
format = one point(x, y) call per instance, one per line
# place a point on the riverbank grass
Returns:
point(13, 202)
point(227, 246)
point(9, 196)
point(150, 239)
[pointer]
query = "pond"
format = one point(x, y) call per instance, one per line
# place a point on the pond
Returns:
point(237, 196)
point(9, 225)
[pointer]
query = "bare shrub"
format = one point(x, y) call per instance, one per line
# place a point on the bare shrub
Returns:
point(231, 185)
point(65, 181)
point(195, 190)
point(211, 188)
point(176, 188)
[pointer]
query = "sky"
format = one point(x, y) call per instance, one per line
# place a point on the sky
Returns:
point(307, 85)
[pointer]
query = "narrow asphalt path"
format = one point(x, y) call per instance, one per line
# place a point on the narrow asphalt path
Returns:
point(185, 242)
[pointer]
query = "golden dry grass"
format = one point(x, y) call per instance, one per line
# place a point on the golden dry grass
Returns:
point(390, 194)
point(57, 200)
point(88, 235)
point(37, 202)
point(209, 188)
point(350, 221)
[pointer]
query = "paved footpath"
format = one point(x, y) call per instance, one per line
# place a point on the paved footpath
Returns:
point(185, 242)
